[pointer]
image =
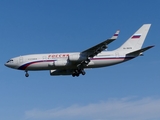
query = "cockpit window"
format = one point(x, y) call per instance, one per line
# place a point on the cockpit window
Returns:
point(9, 61)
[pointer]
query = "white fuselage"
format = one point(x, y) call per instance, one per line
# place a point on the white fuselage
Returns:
point(61, 61)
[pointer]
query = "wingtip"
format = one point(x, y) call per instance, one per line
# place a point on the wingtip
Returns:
point(117, 32)
point(151, 46)
point(115, 36)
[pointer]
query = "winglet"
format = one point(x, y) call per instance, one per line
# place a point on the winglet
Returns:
point(115, 36)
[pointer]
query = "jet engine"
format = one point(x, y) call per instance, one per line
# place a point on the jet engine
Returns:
point(60, 63)
point(60, 72)
point(76, 57)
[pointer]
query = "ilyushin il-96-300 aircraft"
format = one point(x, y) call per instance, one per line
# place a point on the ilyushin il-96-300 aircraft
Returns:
point(75, 63)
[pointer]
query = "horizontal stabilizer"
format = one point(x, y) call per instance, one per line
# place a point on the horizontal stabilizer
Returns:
point(139, 52)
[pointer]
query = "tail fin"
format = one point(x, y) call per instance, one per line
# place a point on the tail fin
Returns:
point(136, 41)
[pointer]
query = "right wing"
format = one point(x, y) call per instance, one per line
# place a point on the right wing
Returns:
point(93, 51)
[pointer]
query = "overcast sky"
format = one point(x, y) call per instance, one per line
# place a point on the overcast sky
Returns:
point(128, 91)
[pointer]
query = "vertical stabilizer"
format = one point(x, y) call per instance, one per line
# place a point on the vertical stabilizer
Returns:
point(136, 41)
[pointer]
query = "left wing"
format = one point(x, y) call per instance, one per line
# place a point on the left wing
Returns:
point(93, 51)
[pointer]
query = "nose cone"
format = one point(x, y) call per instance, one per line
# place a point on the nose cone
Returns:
point(11, 64)
point(6, 64)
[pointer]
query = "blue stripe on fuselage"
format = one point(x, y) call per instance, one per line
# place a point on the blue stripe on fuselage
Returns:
point(24, 66)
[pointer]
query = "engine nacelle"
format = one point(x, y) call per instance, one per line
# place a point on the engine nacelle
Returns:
point(60, 63)
point(76, 57)
point(60, 72)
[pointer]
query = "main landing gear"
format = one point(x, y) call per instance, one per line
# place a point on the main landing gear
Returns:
point(27, 74)
point(80, 69)
point(78, 72)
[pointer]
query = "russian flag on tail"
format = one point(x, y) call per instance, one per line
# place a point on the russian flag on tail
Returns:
point(135, 36)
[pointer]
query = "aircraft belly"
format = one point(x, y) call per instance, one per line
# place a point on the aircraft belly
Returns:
point(38, 66)
point(47, 66)
point(103, 63)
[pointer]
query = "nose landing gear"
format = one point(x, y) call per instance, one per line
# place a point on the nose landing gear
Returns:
point(27, 74)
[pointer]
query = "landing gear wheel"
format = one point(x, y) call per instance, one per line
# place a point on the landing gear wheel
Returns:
point(73, 75)
point(83, 72)
point(77, 74)
point(27, 75)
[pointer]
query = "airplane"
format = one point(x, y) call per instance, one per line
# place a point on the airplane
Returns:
point(75, 63)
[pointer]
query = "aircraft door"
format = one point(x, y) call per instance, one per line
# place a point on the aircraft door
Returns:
point(20, 59)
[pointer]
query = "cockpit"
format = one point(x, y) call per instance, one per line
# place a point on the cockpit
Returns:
point(12, 63)
point(9, 61)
